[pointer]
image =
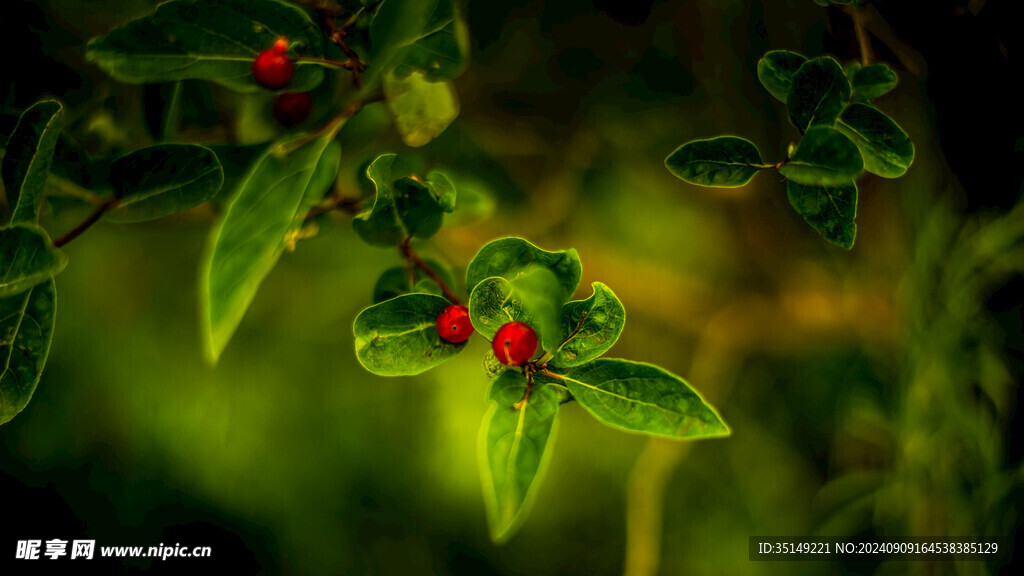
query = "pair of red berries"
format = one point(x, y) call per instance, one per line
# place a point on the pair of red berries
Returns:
point(274, 69)
point(513, 344)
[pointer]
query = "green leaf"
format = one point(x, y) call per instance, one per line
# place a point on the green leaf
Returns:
point(638, 397)
point(441, 55)
point(395, 281)
point(399, 337)
point(825, 157)
point(236, 162)
point(422, 109)
point(885, 147)
point(403, 207)
point(515, 446)
point(511, 257)
point(324, 178)
point(534, 297)
point(775, 70)
point(723, 162)
point(603, 318)
point(28, 157)
point(212, 40)
point(871, 81)
point(250, 237)
point(26, 331)
point(162, 180)
point(443, 190)
point(27, 258)
point(817, 93)
point(398, 24)
point(828, 209)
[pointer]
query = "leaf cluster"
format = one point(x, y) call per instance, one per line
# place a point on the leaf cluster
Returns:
point(842, 135)
point(512, 280)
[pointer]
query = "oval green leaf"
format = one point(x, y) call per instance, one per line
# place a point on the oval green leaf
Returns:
point(638, 397)
point(27, 258)
point(871, 81)
point(398, 25)
point(824, 157)
point(775, 70)
point(515, 445)
point(885, 147)
point(399, 337)
point(828, 209)
point(422, 109)
point(511, 257)
point(403, 207)
point(250, 237)
point(212, 40)
point(28, 157)
point(162, 180)
point(534, 298)
point(591, 327)
point(26, 331)
point(723, 162)
point(817, 93)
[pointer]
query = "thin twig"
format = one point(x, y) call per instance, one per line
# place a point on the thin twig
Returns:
point(410, 255)
point(75, 232)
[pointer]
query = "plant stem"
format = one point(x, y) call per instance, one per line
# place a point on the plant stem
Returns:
point(89, 221)
point(861, 16)
point(411, 256)
point(339, 64)
point(530, 370)
point(335, 201)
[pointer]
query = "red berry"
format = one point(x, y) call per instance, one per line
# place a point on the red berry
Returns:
point(272, 68)
point(292, 108)
point(453, 324)
point(514, 343)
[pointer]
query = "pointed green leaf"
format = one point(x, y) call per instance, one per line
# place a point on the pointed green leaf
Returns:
point(403, 207)
point(510, 257)
point(638, 397)
point(775, 70)
point(162, 180)
point(422, 109)
point(399, 337)
point(723, 162)
point(533, 298)
point(885, 147)
point(211, 40)
point(28, 157)
point(324, 178)
point(825, 157)
point(515, 446)
point(594, 325)
point(817, 93)
point(871, 81)
point(26, 331)
point(828, 209)
point(441, 55)
point(249, 239)
point(27, 258)
point(399, 24)
point(395, 281)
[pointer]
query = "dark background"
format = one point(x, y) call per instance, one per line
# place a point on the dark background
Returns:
point(870, 393)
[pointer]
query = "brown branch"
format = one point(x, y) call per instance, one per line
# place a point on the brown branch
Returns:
point(337, 35)
point(334, 201)
point(530, 370)
point(410, 255)
point(75, 232)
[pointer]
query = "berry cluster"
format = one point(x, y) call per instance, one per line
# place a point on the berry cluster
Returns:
point(274, 69)
point(514, 344)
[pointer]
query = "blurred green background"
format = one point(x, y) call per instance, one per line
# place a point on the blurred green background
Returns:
point(870, 393)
